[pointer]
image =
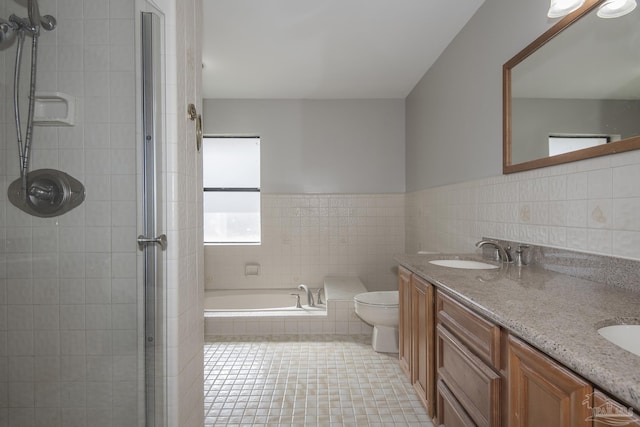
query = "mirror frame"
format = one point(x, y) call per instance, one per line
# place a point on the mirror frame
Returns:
point(623, 145)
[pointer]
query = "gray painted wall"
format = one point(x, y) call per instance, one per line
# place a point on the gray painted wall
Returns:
point(319, 146)
point(534, 119)
point(454, 114)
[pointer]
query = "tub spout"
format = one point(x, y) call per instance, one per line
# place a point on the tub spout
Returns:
point(310, 302)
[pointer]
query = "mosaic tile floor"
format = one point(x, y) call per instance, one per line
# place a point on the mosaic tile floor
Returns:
point(326, 380)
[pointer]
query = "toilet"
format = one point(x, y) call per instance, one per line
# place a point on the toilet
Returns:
point(380, 309)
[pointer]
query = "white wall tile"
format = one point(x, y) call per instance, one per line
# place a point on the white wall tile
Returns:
point(599, 241)
point(589, 210)
point(626, 244)
point(96, 31)
point(72, 291)
point(96, 9)
point(46, 317)
point(577, 186)
point(625, 179)
point(625, 214)
point(600, 184)
point(45, 291)
point(98, 316)
point(72, 317)
point(347, 234)
point(70, 58)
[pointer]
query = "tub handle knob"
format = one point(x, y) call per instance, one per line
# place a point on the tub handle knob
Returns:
point(318, 299)
point(298, 305)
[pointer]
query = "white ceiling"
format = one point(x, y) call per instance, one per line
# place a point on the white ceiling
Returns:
point(325, 49)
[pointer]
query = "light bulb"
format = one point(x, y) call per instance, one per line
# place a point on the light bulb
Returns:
point(560, 8)
point(616, 8)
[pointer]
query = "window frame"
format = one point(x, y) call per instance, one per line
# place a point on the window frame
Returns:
point(233, 190)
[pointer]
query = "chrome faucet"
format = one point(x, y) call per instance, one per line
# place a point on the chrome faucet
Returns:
point(503, 254)
point(310, 302)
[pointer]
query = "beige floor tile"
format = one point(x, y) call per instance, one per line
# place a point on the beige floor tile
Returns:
point(314, 380)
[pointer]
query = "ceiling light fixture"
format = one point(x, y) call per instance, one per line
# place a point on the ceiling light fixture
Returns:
point(560, 8)
point(616, 8)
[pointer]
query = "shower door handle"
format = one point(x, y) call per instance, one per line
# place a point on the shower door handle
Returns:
point(160, 240)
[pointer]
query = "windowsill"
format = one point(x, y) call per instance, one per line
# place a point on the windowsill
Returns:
point(232, 244)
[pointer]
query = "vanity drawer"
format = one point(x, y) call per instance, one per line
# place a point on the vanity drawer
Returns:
point(480, 335)
point(475, 385)
point(450, 413)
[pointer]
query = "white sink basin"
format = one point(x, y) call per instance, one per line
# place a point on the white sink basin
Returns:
point(625, 336)
point(463, 263)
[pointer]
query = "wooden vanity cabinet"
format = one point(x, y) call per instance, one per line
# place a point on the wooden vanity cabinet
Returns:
point(404, 324)
point(468, 355)
point(607, 412)
point(468, 371)
point(542, 392)
point(416, 335)
point(422, 341)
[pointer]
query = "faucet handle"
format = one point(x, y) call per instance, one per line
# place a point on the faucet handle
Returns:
point(298, 305)
point(519, 255)
point(318, 299)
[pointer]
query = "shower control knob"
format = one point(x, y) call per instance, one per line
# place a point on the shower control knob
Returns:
point(7, 32)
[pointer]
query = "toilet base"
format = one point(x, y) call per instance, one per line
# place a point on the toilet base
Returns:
point(385, 339)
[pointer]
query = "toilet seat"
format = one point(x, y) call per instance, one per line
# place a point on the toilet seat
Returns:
point(380, 298)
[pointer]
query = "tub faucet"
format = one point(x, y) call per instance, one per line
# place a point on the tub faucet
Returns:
point(310, 302)
point(503, 254)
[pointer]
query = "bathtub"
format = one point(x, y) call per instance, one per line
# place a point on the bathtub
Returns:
point(258, 301)
point(273, 312)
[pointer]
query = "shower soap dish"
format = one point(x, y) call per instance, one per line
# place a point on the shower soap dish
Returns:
point(54, 109)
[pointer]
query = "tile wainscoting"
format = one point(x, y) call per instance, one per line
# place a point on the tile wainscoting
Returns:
point(306, 237)
point(588, 206)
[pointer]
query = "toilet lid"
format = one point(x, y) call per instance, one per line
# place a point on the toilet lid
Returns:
point(378, 298)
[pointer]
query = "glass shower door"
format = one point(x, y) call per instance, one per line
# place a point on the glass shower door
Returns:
point(152, 242)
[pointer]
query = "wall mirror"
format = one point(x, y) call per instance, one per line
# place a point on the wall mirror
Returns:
point(574, 93)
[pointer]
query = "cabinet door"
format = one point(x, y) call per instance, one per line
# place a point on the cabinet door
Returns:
point(606, 412)
point(404, 326)
point(423, 376)
point(542, 392)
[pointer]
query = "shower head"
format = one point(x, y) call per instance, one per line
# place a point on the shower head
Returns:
point(47, 22)
point(7, 33)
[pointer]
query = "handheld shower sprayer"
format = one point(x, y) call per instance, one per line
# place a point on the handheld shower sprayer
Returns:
point(47, 22)
point(10, 29)
point(43, 192)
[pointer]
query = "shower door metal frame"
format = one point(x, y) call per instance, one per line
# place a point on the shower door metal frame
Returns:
point(152, 242)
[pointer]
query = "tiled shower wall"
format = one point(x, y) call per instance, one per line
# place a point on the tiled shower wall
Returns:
point(185, 322)
point(68, 299)
point(589, 206)
point(306, 237)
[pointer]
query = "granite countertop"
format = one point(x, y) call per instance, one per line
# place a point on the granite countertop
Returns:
point(557, 313)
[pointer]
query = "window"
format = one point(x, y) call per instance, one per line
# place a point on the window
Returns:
point(560, 144)
point(231, 181)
